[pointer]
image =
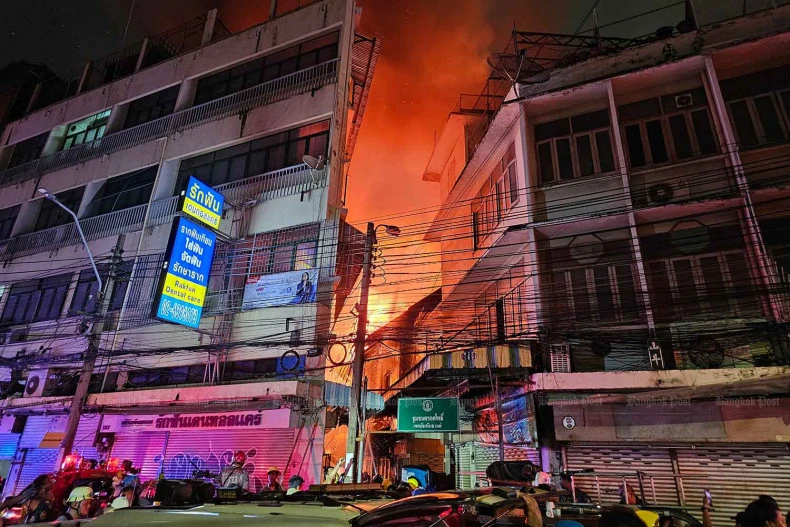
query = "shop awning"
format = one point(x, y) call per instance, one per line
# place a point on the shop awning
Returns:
point(340, 395)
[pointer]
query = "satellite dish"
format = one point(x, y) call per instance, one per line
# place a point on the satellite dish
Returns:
point(316, 163)
point(519, 69)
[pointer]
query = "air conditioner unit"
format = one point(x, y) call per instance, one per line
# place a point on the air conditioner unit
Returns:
point(684, 100)
point(560, 355)
point(668, 193)
point(36, 382)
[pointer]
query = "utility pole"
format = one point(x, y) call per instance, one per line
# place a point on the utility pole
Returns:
point(94, 339)
point(354, 412)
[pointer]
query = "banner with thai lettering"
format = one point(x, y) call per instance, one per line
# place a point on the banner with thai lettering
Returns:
point(518, 421)
point(292, 287)
point(203, 203)
point(209, 421)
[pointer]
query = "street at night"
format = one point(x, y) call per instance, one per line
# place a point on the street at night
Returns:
point(424, 263)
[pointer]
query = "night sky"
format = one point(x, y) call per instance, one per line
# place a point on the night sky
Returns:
point(432, 50)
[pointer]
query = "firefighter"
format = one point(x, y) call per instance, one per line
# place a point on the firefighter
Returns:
point(234, 475)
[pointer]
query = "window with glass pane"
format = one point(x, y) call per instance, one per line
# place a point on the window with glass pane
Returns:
point(282, 251)
point(660, 290)
point(574, 147)
point(7, 220)
point(636, 151)
point(28, 150)
point(87, 289)
point(703, 132)
point(680, 136)
point(581, 294)
point(740, 283)
point(663, 129)
point(769, 118)
point(151, 107)
point(713, 281)
point(123, 192)
point(86, 130)
point(686, 286)
point(603, 293)
point(744, 126)
point(271, 67)
point(51, 215)
point(629, 307)
point(256, 157)
point(36, 300)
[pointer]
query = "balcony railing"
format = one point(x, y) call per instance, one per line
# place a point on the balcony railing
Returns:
point(266, 93)
point(110, 224)
point(275, 184)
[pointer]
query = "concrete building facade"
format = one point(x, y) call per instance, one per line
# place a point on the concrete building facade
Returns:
point(620, 208)
point(238, 112)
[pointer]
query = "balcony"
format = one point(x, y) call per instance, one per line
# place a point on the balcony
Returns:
point(270, 185)
point(263, 94)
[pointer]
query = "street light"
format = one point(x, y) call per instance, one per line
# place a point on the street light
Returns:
point(353, 449)
point(89, 361)
point(56, 201)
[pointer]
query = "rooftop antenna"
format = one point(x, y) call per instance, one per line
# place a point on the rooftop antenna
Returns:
point(316, 164)
point(518, 68)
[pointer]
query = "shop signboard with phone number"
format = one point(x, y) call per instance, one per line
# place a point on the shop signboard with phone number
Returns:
point(182, 287)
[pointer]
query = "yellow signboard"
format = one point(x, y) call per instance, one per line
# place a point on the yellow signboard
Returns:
point(203, 203)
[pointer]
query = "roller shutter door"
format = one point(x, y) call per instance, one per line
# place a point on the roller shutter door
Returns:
point(213, 449)
point(8, 445)
point(656, 463)
point(470, 468)
point(36, 461)
point(144, 449)
point(735, 477)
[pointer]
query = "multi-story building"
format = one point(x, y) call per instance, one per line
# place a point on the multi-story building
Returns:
point(238, 112)
point(622, 207)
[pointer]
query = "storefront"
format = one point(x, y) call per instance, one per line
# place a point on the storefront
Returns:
point(36, 451)
point(178, 445)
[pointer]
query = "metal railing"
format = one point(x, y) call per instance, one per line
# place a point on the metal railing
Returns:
point(275, 184)
point(266, 93)
point(63, 235)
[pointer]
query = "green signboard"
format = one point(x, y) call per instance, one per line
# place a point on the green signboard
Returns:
point(428, 414)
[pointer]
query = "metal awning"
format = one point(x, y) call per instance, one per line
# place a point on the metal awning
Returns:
point(336, 394)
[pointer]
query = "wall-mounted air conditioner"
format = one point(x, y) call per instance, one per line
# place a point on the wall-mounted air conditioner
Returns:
point(684, 100)
point(36, 382)
point(560, 355)
point(668, 193)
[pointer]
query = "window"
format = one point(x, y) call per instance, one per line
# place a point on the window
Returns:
point(574, 147)
point(498, 194)
point(151, 107)
point(86, 130)
point(758, 106)
point(51, 215)
point(256, 157)
point(604, 293)
point(28, 150)
point(279, 251)
point(668, 128)
point(36, 300)
point(279, 64)
point(87, 289)
point(7, 220)
point(702, 284)
point(123, 192)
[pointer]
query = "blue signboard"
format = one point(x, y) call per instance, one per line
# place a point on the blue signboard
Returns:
point(182, 288)
point(203, 203)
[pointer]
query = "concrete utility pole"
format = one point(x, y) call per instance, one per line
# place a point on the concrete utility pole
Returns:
point(357, 367)
point(94, 339)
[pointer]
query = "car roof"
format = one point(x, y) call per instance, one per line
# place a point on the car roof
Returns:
point(291, 514)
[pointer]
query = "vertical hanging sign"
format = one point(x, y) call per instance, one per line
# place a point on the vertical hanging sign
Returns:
point(202, 203)
point(182, 287)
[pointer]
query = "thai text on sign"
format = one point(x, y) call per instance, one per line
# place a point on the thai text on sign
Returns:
point(203, 203)
point(182, 289)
